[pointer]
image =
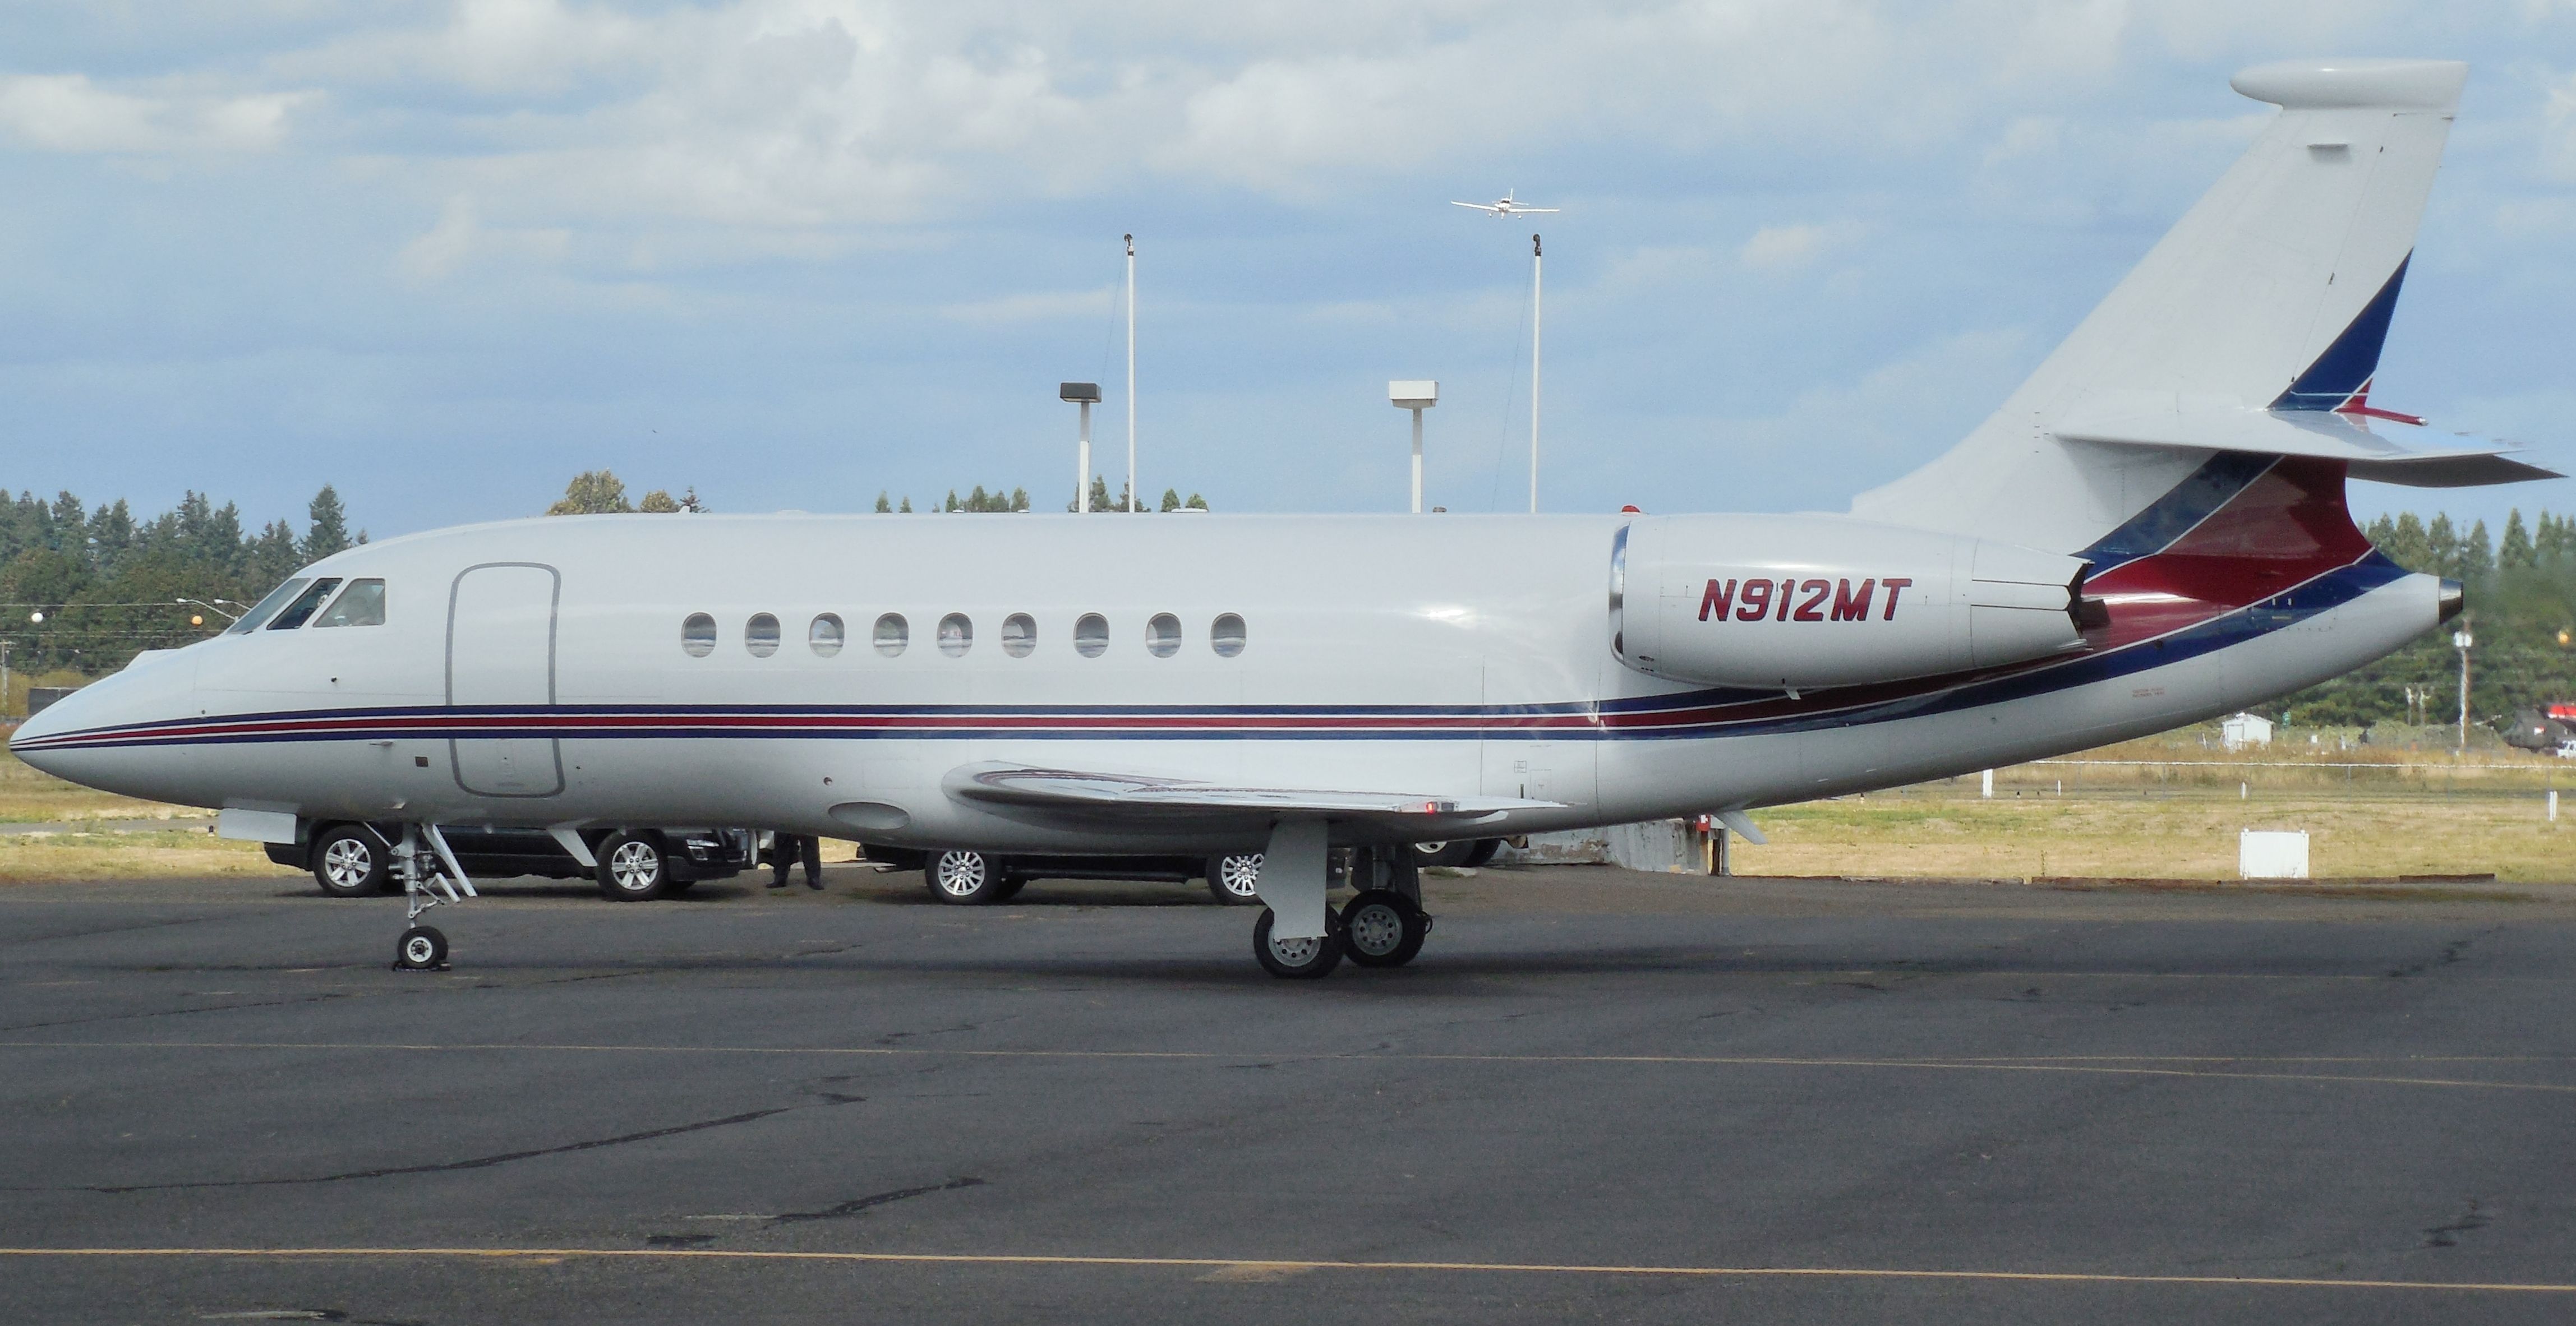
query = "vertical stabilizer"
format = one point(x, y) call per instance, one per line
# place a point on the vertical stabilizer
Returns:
point(2273, 292)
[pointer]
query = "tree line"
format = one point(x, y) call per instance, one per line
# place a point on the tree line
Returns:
point(83, 589)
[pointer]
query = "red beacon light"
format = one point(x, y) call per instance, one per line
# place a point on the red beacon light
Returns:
point(1631, 510)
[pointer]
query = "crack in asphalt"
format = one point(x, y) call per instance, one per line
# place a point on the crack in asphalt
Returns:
point(857, 1204)
point(2448, 1236)
point(478, 1162)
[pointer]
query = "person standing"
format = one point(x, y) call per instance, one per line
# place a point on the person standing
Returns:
point(786, 849)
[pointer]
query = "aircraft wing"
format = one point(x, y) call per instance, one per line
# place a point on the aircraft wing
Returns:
point(1481, 207)
point(2374, 448)
point(1135, 796)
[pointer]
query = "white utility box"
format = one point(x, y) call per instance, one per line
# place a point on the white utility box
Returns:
point(2271, 854)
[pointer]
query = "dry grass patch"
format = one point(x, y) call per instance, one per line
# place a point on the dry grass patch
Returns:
point(28, 796)
point(52, 858)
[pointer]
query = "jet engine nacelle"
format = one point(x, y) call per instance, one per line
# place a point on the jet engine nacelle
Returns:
point(1809, 601)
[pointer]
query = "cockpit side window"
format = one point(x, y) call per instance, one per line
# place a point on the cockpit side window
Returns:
point(361, 604)
point(259, 611)
point(304, 604)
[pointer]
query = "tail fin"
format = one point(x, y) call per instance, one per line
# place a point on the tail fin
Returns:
point(2272, 295)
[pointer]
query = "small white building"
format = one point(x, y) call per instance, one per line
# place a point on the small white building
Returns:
point(2242, 730)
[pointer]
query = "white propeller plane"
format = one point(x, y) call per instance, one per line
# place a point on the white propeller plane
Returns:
point(1504, 208)
point(2151, 531)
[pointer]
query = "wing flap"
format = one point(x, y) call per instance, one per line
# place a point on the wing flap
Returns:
point(1117, 795)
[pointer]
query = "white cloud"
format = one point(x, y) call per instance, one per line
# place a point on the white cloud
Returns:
point(1035, 306)
point(460, 238)
point(2558, 141)
point(1791, 247)
point(69, 113)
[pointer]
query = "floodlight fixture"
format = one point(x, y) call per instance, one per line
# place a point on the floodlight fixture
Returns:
point(1416, 395)
point(1086, 395)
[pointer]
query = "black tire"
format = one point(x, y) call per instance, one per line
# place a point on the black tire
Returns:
point(421, 948)
point(1381, 928)
point(1485, 849)
point(1451, 855)
point(351, 862)
point(1295, 959)
point(963, 877)
point(1011, 888)
point(1235, 878)
point(632, 867)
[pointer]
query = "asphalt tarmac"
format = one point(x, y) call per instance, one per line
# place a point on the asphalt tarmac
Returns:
point(1596, 1096)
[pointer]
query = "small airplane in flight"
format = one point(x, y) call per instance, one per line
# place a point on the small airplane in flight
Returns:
point(2150, 531)
point(1504, 208)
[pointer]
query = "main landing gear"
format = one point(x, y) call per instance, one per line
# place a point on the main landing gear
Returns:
point(430, 878)
point(1382, 927)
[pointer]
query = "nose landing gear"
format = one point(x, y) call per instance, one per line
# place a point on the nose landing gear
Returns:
point(430, 878)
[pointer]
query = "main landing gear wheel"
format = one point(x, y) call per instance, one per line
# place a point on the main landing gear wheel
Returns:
point(631, 868)
point(1235, 878)
point(422, 948)
point(1294, 959)
point(351, 862)
point(966, 878)
point(1381, 928)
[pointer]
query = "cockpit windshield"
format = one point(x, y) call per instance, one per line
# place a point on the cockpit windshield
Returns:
point(361, 604)
point(277, 598)
point(302, 608)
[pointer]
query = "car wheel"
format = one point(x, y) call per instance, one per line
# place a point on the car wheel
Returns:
point(1448, 854)
point(631, 868)
point(965, 878)
point(349, 862)
point(1235, 878)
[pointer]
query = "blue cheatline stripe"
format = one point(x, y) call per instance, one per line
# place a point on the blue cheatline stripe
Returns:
point(2216, 483)
point(1690, 712)
point(2347, 365)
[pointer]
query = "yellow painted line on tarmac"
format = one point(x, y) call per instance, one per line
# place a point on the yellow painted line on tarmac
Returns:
point(1928, 1064)
point(1299, 1265)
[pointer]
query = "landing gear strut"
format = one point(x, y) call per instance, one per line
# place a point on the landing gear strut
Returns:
point(1297, 937)
point(430, 878)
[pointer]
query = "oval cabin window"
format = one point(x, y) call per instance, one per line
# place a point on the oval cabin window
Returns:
point(698, 635)
point(824, 634)
point(1226, 636)
point(760, 635)
point(892, 634)
point(1019, 634)
point(1163, 635)
point(956, 635)
point(1091, 635)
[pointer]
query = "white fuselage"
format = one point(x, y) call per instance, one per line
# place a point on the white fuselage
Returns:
point(1445, 655)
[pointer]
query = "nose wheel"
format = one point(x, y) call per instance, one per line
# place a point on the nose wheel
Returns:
point(422, 948)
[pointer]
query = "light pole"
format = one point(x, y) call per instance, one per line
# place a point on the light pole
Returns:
point(1534, 293)
point(1133, 496)
point(1085, 394)
point(1416, 396)
point(2461, 641)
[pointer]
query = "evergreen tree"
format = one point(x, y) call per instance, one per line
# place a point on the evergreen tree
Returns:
point(1196, 503)
point(884, 507)
point(2441, 547)
point(329, 531)
point(1171, 499)
point(2515, 551)
point(1019, 499)
point(2477, 559)
point(658, 501)
point(906, 508)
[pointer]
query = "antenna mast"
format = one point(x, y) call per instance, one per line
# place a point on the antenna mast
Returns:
point(1534, 294)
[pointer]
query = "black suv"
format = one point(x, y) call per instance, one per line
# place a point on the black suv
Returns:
point(354, 860)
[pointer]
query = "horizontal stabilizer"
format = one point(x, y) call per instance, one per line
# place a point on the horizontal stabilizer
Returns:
point(2373, 447)
point(1136, 795)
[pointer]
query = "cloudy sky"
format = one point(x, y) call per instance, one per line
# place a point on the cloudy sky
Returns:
point(795, 252)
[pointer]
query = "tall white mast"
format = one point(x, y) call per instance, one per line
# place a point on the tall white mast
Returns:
point(1135, 499)
point(1534, 294)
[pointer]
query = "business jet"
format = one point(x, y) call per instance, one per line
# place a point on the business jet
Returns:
point(2150, 531)
point(1504, 208)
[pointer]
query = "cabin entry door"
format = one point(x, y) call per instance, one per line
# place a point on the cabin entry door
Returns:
point(501, 676)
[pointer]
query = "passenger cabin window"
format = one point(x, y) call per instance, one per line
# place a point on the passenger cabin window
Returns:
point(259, 611)
point(698, 635)
point(1226, 636)
point(956, 635)
point(361, 604)
point(1019, 634)
point(892, 634)
point(1163, 635)
point(824, 634)
point(301, 609)
point(760, 635)
point(1091, 635)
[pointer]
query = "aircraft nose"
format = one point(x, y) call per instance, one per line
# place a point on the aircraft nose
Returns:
point(75, 738)
point(31, 741)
